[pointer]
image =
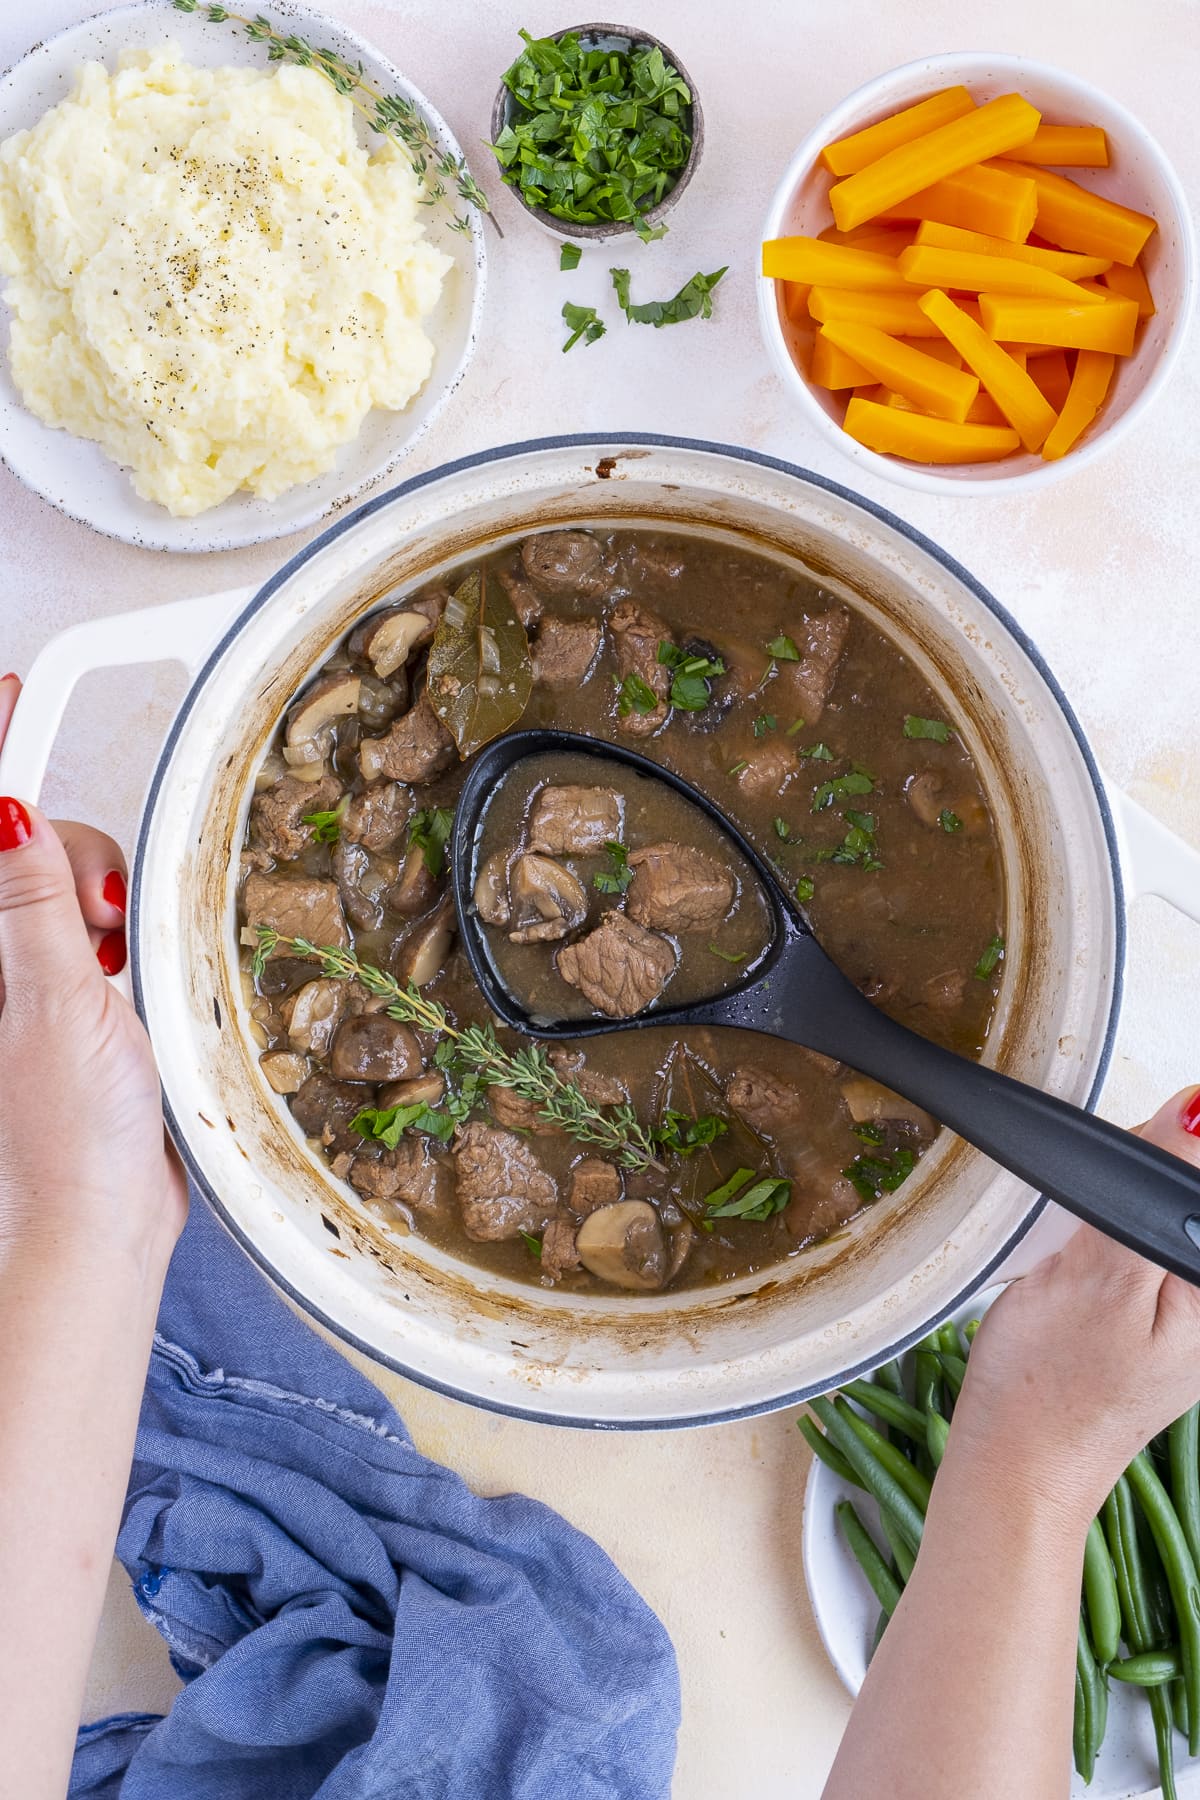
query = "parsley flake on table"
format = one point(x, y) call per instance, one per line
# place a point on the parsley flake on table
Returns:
point(568, 256)
point(585, 323)
point(694, 300)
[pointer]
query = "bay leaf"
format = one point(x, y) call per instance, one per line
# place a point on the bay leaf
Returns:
point(480, 671)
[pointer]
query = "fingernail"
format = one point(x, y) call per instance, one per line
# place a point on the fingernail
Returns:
point(11, 676)
point(1191, 1115)
point(15, 826)
point(113, 891)
point(111, 953)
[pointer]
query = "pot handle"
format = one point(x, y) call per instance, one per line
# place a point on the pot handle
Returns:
point(177, 631)
point(1153, 859)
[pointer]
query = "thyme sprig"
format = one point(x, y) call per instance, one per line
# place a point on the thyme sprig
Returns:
point(391, 115)
point(527, 1071)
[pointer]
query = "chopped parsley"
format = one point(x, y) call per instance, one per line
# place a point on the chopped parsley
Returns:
point(617, 877)
point(727, 955)
point(805, 889)
point(763, 723)
point(814, 752)
point(926, 728)
point(736, 768)
point(842, 787)
point(635, 695)
point(949, 821)
point(584, 322)
point(326, 827)
point(987, 963)
point(429, 830)
point(734, 1200)
point(869, 1132)
point(388, 1125)
point(858, 847)
point(532, 1244)
point(873, 1176)
point(690, 676)
point(783, 650)
point(681, 1136)
point(568, 256)
point(694, 300)
point(782, 829)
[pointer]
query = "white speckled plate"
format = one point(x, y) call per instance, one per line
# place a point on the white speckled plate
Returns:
point(846, 1612)
point(77, 476)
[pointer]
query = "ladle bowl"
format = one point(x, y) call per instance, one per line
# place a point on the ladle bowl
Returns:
point(1129, 1189)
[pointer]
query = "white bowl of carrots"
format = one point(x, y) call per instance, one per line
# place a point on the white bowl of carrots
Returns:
point(978, 273)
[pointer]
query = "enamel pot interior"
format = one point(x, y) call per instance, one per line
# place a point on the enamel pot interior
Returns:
point(604, 1360)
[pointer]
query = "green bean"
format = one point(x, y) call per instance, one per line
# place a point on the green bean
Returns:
point(1179, 1706)
point(937, 1433)
point(927, 1380)
point(1183, 1453)
point(954, 1371)
point(950, 1341)
point(1120, 1531)
point(1100, 1592)
point(891, 1408)
point(1091, 1705)
point(1182, 1580)
point(884, 1585)
point(825, 1452)
point(871, 1472)
point(1150, 1668)
point(1164, 1739)
point(915, 1485)
point(902, 1556)
point(889, 1376)
point(880, 1627)
point(970, 1329)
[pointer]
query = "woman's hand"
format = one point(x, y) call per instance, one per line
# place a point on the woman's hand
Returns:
point(83, 1153)
point(1081, 1363)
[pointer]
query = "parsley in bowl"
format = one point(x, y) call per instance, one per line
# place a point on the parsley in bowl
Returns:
point(598, 130)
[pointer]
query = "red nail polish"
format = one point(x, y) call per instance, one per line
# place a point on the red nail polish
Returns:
point(1191, 1115)
point(113, 891)
point(111, 953)
point(15, 826)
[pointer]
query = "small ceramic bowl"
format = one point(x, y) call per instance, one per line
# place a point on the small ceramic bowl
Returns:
point(1139, 175)
point(610, 37)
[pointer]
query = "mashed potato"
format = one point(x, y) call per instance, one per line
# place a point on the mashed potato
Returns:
point(210, 276)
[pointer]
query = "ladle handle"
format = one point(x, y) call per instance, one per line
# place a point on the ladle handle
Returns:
point(1127, 1188)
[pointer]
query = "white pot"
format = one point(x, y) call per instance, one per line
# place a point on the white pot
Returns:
point(600, 1360)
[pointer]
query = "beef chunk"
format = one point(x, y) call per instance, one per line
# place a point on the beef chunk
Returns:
point(413, 1174)
point(518, 1114)
point(312, 1014)
point(277, 814)
point(296, 906)
point(802, 688)
point(593, 1084)
point(767, 770)
point(594, 1183)
point(620, 967)
point(415, 749)
point(559, 1255)
point(502, 1187)
point(574, 821)
point(376, 818)
point(773, 1109)
point(527, 602)
point(565, 563)
point(636, 635)
point(547, 900)
point(676, 888)
point(363, 881)
point(373, 1047)
point(323, 1109)
point(645, 566)
point(564, 650)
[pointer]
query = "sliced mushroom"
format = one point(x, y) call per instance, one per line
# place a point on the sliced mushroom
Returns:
point(423, 956)
point(624, 1244)
point(391, 638)
point(927, 796)
point(869, 1102)
point(286, 1070)
point(416, 888)
point(310, 723)
point(272, 770)
point(312, 1014)
point(419, 1090)
point(547, 900)
point(491, 890)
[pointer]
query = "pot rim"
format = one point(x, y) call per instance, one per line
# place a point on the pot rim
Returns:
point(602, 443)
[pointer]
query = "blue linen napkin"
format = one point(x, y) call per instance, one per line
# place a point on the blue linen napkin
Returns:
point(349, 1619)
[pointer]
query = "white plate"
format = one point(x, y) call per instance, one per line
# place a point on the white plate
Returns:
point(77, 476)
point(846, 1612)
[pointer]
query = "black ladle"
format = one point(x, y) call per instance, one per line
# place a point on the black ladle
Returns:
point(1130, 1189)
